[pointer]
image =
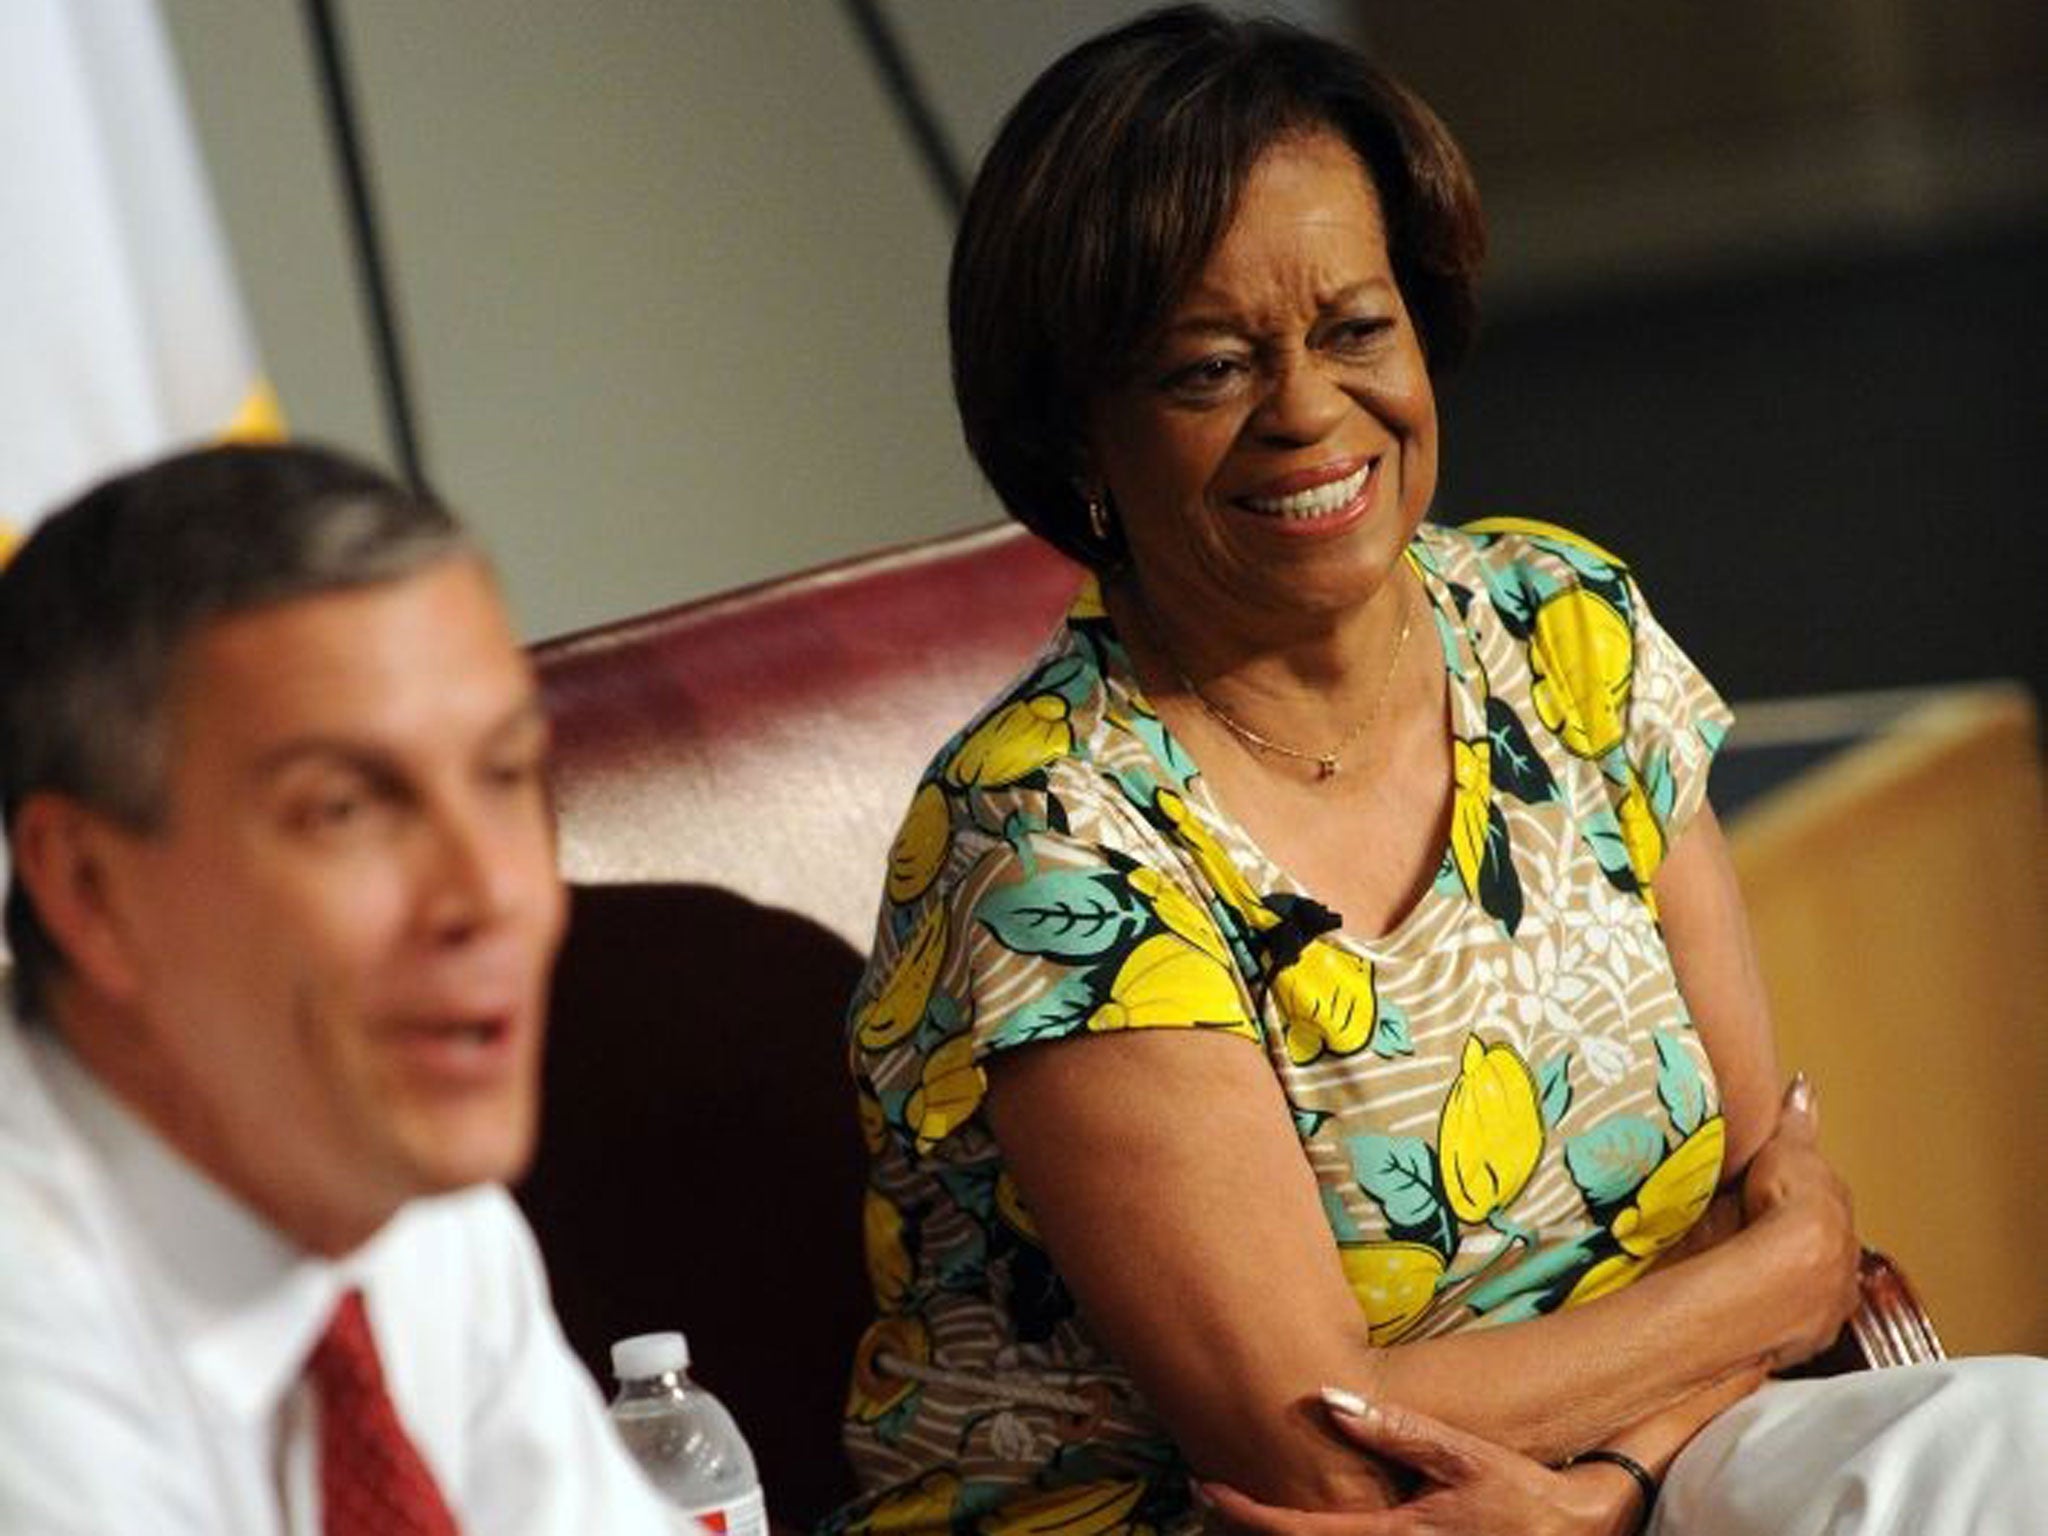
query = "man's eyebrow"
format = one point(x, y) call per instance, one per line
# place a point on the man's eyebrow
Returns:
point(332, 751)
point(528, 719)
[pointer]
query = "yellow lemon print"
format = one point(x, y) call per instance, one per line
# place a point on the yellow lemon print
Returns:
point(894, 1011)
point(1491, 1132)
point(1535, 527)
point(925, 1505)
point(875, 1390)
point(1675, 1195)
point(1472, 770)
point(874, 1124)
point(1583, 657)
point(1182, 915)
point(1326, 998)
point(1020, 738)
point(1670, 1201)
point(1606, 1277)
point(888, 1259)
point(920, 846)
point(1640, 834)
point(1224, 877)
point(1394, 1283)
point(1086, 1509)
point(1010, 1206)
point(1168, 981)
point(948, 1095)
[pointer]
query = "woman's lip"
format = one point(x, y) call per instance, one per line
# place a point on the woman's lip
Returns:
point(1305, 479)
point(1314, 521)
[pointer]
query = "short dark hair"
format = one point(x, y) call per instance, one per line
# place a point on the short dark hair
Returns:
point(1106, 189)
point(101, 601)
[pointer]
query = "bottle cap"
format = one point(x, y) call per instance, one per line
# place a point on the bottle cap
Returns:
point(647, 1355)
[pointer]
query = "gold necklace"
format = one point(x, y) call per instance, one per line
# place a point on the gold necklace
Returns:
point(1330, 763)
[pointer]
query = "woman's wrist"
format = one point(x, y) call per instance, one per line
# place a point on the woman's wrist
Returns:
point(1606, 1496)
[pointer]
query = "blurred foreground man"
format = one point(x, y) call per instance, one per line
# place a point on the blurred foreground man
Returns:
point(283, 907)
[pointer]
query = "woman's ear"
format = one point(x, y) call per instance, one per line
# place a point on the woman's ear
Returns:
point(67, 856)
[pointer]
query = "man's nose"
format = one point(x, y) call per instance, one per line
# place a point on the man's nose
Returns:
point(479, 866)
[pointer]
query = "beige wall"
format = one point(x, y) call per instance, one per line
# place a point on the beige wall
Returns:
point(670, 282)
point(671, 274)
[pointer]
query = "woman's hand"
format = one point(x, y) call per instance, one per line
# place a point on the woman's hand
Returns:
point(1469, 1487)
point(1792, 1197)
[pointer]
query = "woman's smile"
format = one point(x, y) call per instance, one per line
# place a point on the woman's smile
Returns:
point(1317, 501)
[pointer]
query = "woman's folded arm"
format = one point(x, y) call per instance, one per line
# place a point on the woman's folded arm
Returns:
point(1163, 1171)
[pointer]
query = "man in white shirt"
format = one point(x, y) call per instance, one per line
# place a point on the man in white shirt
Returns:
point(283, 908)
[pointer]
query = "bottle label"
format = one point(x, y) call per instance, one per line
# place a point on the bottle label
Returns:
point(746, 1515)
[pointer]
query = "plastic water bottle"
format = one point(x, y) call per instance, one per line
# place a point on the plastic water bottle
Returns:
point(684, 1438)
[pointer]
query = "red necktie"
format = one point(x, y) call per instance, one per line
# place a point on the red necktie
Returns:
point(372, 1480)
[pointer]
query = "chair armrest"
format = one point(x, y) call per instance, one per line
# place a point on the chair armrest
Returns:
point(1889, 1326)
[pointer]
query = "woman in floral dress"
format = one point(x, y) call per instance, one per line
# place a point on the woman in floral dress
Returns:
point(1322, 966)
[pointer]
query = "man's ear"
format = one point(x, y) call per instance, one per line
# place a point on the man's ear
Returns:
point(67, 856)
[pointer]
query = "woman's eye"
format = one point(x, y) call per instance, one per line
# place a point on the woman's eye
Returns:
point(1206, 378)
point(1358, 335)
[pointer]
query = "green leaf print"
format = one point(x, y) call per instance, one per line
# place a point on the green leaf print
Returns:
point(1342, 1227)
point(1598, 572)
point(1164, 749)
point(1547, 1273)
point(1611, 1160)
point(1554, 1083)
point(1679, 1083)
point(1400, 1174)
point(1658, 788)
point(973, 1189)
point(1603, 836)
point(1018, 831)
point(1447, 639)
point(1058, 1011)
point(1308, 1121)
point(1511, 597)
point(1390, 1035)
point(1136, 785)
point(1518, 767)
point(1064, 915)
point(893, 1425)
point(1500, 888)
point(1068, 676)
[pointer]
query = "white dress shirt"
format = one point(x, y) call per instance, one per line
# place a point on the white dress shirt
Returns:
point(154, 1332)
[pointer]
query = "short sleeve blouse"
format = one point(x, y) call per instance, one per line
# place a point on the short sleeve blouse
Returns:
point(1503, 1099)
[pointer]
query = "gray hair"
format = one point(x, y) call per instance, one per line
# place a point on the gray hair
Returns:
point(100, 603)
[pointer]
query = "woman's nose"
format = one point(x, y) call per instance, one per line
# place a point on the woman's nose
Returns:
point(1302, 405)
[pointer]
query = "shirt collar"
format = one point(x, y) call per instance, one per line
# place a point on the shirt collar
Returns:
point(239, 1302)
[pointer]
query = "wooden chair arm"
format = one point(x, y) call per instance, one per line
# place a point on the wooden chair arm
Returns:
point(1890, 1327)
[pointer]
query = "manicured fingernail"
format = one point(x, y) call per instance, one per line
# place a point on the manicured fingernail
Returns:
point(1343, 1400)
point(1201, 1493)
point(1800, 1095)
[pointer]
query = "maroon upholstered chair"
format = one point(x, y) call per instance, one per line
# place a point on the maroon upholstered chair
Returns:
point(728, 777)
